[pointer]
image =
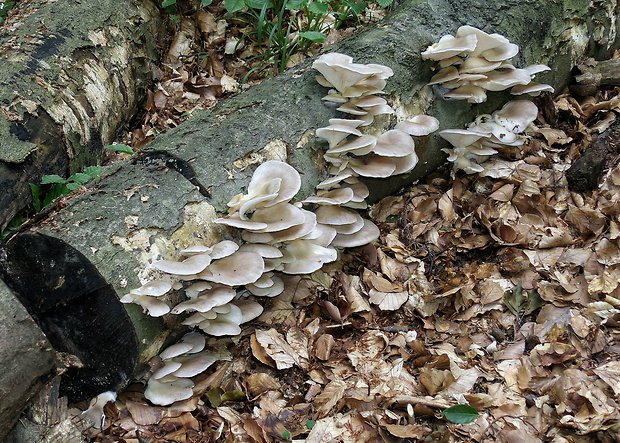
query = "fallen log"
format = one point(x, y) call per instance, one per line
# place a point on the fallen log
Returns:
point(26, 359)
point(588, 77)
point(102, 243)
point(68, 86)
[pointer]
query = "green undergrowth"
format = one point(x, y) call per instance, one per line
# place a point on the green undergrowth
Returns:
point(279, 29)
point(5, 7)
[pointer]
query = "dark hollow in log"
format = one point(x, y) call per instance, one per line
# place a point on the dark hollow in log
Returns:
point(77, 310)
point(588, 77)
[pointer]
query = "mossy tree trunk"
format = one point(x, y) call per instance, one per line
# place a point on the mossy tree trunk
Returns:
point(72, 74)
point(104, 242)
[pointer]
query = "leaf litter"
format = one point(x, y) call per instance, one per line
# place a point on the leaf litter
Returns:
point(499, 290)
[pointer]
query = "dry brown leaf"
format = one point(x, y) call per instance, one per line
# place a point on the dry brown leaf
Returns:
point(286, 352)
point(388, 301)
point(331, 395)
point(323, 346)
point(408, 431)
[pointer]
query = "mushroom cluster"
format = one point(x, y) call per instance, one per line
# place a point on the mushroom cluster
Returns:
point(354, 86)
point(473, 62)
point(475, 144)
point(352, 153)
point(181, 361)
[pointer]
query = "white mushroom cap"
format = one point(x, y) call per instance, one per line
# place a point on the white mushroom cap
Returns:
point(196, 249)
point(249, 310)
point(289, 180)
point(335, 196)
point(237, 269)
point(471, 93)
point(370, 232)
point(223, 249)
point(154, 288)
point(531, 88)
point(340, 71)
point(516, 115)
point(484, 41)
point(445, 75)
point(218, 296)
point(461, 138)
point(190, 266)
point(503, 79)
point(333, 181)
point(500, 53)
point(166, 391)
point(359, 146)
point(196, 288)
point(464, 160)
point(449, 46)
point(269, 219)
point(405, 164)
point(291, 233)
point(153, 306)
point(227, 321)
point(265, 251)
point(373, 166)
point(445, 62)
point(168, 368)
point(394, 143)
point(338, 130)
point(322, 235)
point(94, 414)
point(335, 215)
point(192, 365)
point(305, 257)
point(419, 126)
point(477, 65)
point(269, 285)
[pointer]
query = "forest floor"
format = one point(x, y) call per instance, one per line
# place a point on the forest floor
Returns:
point(499, 289)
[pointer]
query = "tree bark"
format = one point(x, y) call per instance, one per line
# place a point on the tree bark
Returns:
point(26, 359)
point(104, 242)
point(588, 77)
point(72, 74)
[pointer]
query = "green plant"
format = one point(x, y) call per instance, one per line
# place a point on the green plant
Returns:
point(119, 147)
point(460, 414)
point(282, 28)
point(50, 188)
point(54, 186)
point(5, 6)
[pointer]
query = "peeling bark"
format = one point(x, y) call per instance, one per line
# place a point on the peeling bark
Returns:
point(167, 199)
point(67, 86)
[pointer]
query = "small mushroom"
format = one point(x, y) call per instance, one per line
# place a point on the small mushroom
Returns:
point(237, 269)
point(195, 264)
point(418, 126)
point(305, 257)
point(168, 390)
point(369, 233)
point(449, 46)
point(219, 295)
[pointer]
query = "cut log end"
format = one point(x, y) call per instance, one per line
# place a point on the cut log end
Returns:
point(76, 309)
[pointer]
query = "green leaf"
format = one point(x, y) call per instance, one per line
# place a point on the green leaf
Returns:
point(259, 4)
point(296, 5)
point(118, 147)
point(53, 178)
point(80, 178)
point(310, 424)
point(215, 397)
point(36, 197)
point(318, 8)
point(286, 435)
point(533, 302)
point(513, 300)
point(234, 5)
point(206, 3)
point(236, 395)
point(460, 414)
point(313, 36)
point(70, 187)
point(93, 171)
point(168, 3)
